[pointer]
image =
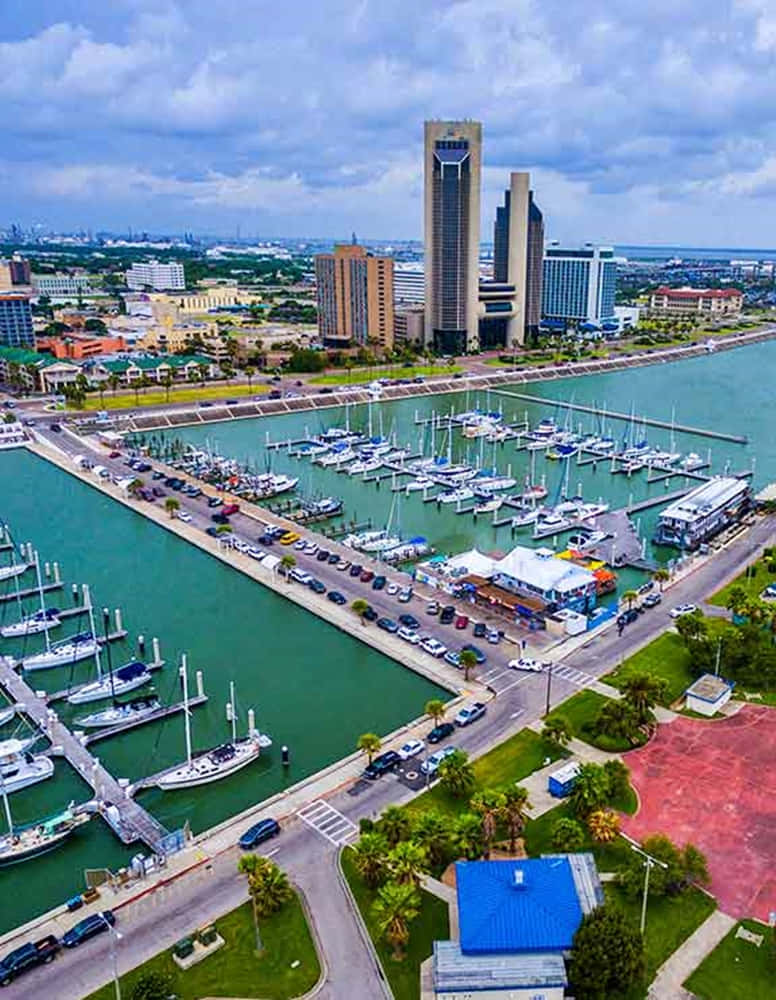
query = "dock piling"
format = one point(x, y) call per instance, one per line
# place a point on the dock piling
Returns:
point(117, 617)
point(155, 648)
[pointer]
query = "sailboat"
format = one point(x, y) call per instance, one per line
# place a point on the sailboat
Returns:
point(24, 842)
point(41, 621)
point(136, 708)
point(219, 762)
point(116, 682)
point(73, 649)
point(15, 569)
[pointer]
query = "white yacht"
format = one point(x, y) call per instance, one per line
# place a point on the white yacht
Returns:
point(456, 496)
point(337, 456)
point(364, 465)
point(386, 541)
point(528, 515)
point(41, 621)
point(61, 654)
point(20, 768)
point(120, 681)
point(362, 538)
point(15, 569)
point(419, 483)
point(691, 462)
point(137, 708)
point(488, 505)
point(492, 484)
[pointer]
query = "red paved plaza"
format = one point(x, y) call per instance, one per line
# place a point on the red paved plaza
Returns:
point(712, 783)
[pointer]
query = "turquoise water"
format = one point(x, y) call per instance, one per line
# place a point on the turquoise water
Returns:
point(313, 687)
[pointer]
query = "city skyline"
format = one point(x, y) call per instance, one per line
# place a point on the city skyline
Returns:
point(200, 119)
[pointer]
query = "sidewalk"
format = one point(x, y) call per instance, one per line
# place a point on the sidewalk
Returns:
point(667, 984)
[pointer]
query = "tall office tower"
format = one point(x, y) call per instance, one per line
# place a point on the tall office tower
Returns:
point(355, 297)
point(16, 321)
point(453, 152)
point(20, 270)
point(579, 283)
point(518, 250)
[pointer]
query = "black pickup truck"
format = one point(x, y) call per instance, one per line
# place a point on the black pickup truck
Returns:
point(22, 959)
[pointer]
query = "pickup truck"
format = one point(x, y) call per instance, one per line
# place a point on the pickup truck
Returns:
point(22, 959)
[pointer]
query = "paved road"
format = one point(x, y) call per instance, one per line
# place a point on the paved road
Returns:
point(306, 848)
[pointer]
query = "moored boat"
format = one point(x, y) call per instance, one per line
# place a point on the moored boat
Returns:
point(41, 621)
point(63, 653)
point(116, 682)
point(137, 708)
point(23, 843)
point(19, 768)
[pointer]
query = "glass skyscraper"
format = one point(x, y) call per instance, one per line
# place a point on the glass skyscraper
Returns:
point(16, 321)
point(579, 283)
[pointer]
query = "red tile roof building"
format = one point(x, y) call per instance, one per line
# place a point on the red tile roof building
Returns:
point(666, 301)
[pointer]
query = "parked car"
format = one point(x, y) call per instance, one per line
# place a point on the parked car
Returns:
point(311, 548)
point(219, 518)
point(336, 597)
point(652, 600)
point(409, 635)
point(434, 647)
point(89, 927)
point(301, 545)
point(318, 586)
point(431, 765)
point(387, 624)
point(405, 596)
point(525, 663)
point(682, 609)
point(432, 608)
point(411, 749)
point(440, 732)
point(494, 637)
point(288, 538)
point(392, 589)
point(231, 508)
point(370, 614)
point(461, 621)
point(333, 559)
point(355, 569)
point(27, 957)
point(265, 829)
point(378, 583)
point(453, 657)
point(646, 587)
point(212, 531)
point(367, 576)
point(409, 620)
point(183, 515)
point(342, 565)
point(382, 764)
point(447, 615)
point(300, 576)
point(479, 656)
point(479, 630)
point(322, 555)
point(266, 540)
point(470, 713)
point(627, 617)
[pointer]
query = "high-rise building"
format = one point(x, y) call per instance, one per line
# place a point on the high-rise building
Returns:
point(6, 279)
point(452, 161)
point(409, 283)
point(518, 248)
point(579, 283)
point(16, 321)
point(355, 297)
point(157, 275)
point(20, 270)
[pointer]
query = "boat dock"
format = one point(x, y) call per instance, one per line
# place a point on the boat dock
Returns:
point(129, 820)
point(628, 417)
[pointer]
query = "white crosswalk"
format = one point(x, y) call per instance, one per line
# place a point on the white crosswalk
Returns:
point(329, 822)
point(572, 675)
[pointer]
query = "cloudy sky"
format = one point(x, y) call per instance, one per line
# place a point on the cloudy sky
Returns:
point(642, 122)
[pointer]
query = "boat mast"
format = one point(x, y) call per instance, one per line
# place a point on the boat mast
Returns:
point(6, 804)
point(232, 711)
point(88, 601)
point(105, 627)
point(186, 720)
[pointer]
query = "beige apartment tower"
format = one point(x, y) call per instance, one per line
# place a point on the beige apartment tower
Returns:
point(355, 297)
point(452, 165)
point(518, 252)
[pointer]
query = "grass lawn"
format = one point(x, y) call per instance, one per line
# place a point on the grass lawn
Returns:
point(431, 925)
point(158, 397)
point(510, 761)
point(537, 838)
point(736, 969)
point(754, 580)
point(383, 371)
point(664, 657)
point(235, 970)
point(580, 711)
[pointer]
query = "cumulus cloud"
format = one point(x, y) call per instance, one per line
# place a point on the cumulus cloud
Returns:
point(639, 121)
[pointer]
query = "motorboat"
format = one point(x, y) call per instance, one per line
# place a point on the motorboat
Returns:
point(137, 708)
point(488, 506)
point(116, 682)
point(537, 444)
point(362, 538)
point(23, 843)
point(691, 462)
point(364, 465)
point(382, 544)
point(272, 485)
point(603, 446)
point(419, 483)
point(337, 456)
point(545, 428)
point(456, 496)
point(310, 449)
point(536, 492)
point(63, 653)
point(413, 549)
point(19, 768)
point(526, 516)
point(325, 507)
point(551, 520)
point(41, 621)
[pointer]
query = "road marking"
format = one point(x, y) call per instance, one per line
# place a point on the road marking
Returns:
point(573, 676)
point(328, 821)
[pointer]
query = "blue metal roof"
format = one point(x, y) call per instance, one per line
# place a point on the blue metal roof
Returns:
point(517, 906)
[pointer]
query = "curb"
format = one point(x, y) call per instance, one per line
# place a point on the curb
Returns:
point(368, 943)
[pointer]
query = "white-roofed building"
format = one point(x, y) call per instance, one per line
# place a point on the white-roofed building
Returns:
point(556, 582)
point(446, 572)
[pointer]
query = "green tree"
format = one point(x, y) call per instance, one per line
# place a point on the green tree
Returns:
point(287, 563)
point(369, 857)
point(152, 986)
point(394, 910)
point(683, 867)
point(432, 832)
point(360, 607)
point(618, 778)
point(557, 730)
point(692, 628)
point(630, 596)
point(171, 505)
point(268, 887)
point(435, 708)
point(370, 744)
point(642, 692)
point(616, 719)
point(467, 836)
point(456, 774)
point(249, 371)
point(737, 600)
point(607, 957)
point(167, 383)
point(407, 862)
point(568, 835)
point(590, 791)
point(488, 804)
point(467, 662)
point(661, 576)
point(114, 381)
point(395, 825)
point(603, 825)
point(514, 806)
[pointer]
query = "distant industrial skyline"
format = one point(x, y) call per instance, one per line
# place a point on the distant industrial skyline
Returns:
point(639, 124)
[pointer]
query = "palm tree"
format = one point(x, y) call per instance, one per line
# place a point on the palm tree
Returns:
point(394, 910)
point(432, 832)
point(567, 835)
point(287, 563)
point(407, 862)
point(467, 836)
point(557, 730)
point(604, 825)
point(167, 383)
point(513, 812)
point(661, 576)
point(435, 709)
point(617, 719)
point(360, 607)
point(268, 887)
point(395, 825)
point(488, 805)
point(114, 381)
point(370, 744)
point(590, 791)
point(171, 504)
point(249, 372)
point(642, 692)
point(630, 596)
point(467, 662)
point(737, 600)
point(369, 857)
point(456, 774)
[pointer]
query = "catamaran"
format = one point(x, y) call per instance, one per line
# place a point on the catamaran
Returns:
point(221, 761)
point(136, 708)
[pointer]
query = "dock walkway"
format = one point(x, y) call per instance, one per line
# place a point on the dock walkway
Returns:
point(133, 822)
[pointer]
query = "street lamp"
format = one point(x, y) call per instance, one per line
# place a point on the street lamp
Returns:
point(549, 687)
point(115, 936)
point(649, 864)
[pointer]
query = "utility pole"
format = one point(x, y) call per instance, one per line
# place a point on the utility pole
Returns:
point(649, 864)
point(549, 687)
